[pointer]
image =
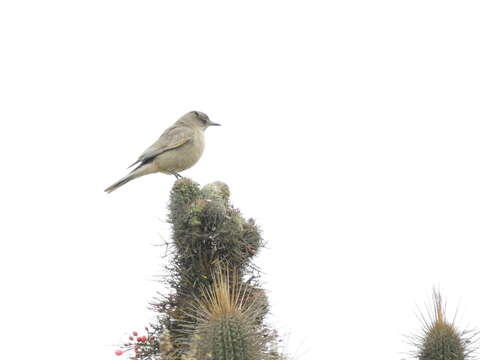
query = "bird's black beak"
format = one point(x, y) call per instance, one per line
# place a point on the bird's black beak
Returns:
point(211, 123)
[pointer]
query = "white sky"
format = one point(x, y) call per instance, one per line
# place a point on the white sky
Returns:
point(350, 132)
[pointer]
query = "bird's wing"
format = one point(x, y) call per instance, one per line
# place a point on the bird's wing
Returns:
point(172, 138)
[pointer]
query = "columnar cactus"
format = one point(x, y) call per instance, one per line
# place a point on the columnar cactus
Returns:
point(229, 340)
point(207, 231)
point(440, 338)
point(216, 307)
point(227, 326)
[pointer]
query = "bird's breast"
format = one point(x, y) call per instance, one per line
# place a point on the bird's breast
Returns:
point(183, 157)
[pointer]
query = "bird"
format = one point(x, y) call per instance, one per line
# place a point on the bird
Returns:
point(178, 148)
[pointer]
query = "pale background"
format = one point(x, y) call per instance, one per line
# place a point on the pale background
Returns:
point(350, 132)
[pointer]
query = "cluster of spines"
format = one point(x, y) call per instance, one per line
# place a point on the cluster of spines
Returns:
point(226, 327)
point(440, 338)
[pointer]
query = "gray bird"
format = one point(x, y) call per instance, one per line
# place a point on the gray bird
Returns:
point(177, 149)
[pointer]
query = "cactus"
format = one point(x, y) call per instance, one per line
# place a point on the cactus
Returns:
point(216, 307)
point(441, 339)
point(230, 338)
point(226, 321)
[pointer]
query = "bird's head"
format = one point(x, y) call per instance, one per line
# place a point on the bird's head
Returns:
point(197, 119)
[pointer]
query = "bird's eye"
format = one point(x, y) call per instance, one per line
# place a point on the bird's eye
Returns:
point(201, 116)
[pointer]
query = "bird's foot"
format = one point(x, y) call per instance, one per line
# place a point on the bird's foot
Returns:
point(177, 175)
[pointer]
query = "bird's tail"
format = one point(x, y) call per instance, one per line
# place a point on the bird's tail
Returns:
point(139, 171)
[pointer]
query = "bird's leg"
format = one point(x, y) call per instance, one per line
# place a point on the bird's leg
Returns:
point(174, 173)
